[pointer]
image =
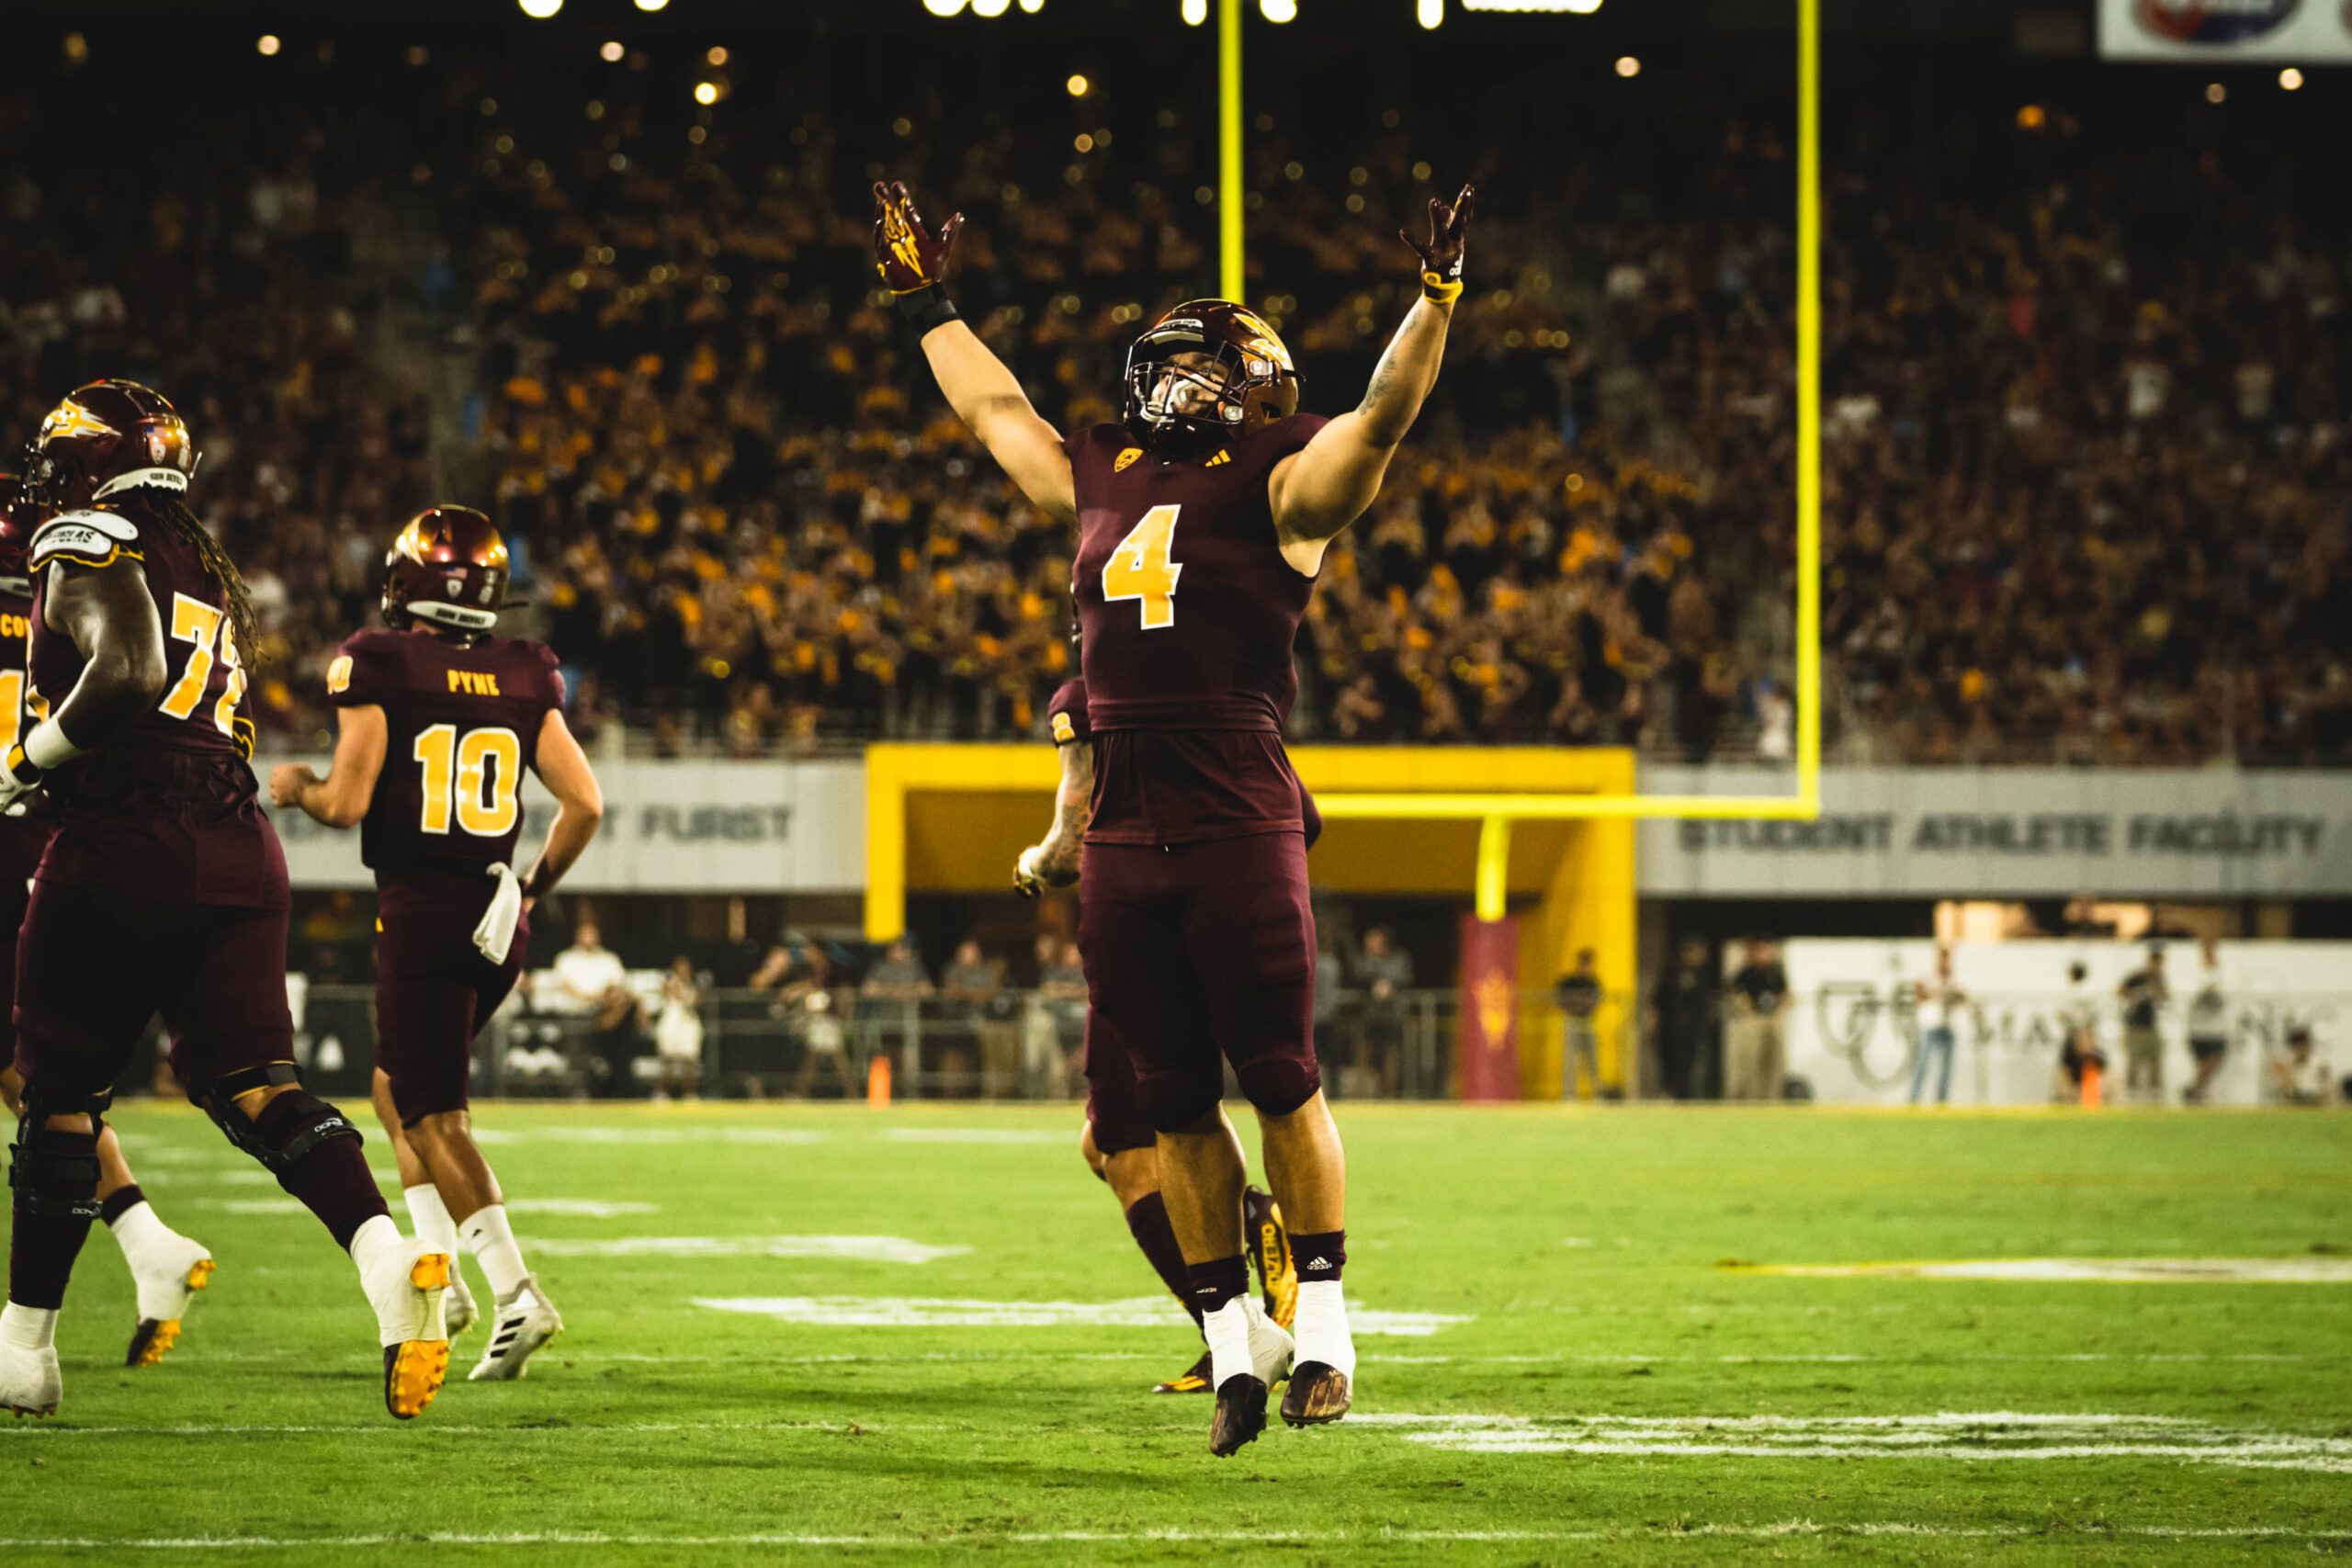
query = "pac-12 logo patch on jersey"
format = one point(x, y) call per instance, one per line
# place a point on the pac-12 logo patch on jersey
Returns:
point(339, 674)
point(1126, 459)
point(1064, 730)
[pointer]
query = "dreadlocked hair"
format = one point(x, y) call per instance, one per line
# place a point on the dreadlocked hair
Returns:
point(167, 507)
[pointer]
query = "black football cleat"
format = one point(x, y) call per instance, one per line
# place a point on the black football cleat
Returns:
point(1193, 1379)
point(1318, 1393)
point(1240, 1414)
point(1268, 1242)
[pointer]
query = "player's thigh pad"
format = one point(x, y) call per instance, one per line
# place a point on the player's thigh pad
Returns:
point(1142, 984)
point(1114, 1107)
point(1249, 933)
point(91, 970)
point(228, 1011)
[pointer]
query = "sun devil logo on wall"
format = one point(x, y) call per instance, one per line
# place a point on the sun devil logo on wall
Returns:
point(2214, 21)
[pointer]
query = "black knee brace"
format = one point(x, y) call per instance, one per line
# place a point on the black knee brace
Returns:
point(298, 1122)
point(55, 1175)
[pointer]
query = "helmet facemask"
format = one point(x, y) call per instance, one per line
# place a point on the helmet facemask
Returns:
point(1189, 383)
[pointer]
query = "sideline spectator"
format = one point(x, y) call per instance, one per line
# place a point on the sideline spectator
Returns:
point(1940, 1002)
point(1752, 1036)
point(677, 1033)
point(1055, 1036)
point(823, 1042)
point(974, 987)
point(1579, 996)
point(1682, 1021)
point(2142, 992)
point(2208, 1025)
point(2080, 1060)
point(2298, 1076)
point(1385, 971)
point(588, 977)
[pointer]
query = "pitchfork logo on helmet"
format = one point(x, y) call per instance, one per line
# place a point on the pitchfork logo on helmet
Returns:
point(447, 566)
point(1209, 369)
point(104, 439)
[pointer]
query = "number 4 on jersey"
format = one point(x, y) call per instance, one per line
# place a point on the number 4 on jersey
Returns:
point(1139, 568)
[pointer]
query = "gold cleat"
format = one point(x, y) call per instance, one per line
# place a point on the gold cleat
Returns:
point(153, 1339)
point(415, 1369)
point(1240, 1414)
point(1193, 1379)
point(1270, 1254)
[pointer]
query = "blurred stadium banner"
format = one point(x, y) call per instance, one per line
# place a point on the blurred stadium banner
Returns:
point(1490, 1022)
point(2220, 32)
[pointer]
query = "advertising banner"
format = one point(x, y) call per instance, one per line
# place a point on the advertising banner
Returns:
point(2226, 32)
point(683, 827)
point(2013, 832)
point(1858, 1027)
point(1489, 1009)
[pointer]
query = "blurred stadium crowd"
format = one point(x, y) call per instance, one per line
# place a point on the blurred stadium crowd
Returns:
point(2088, 495)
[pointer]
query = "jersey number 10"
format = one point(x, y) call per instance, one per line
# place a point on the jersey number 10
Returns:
point(1139, 568)
point(477, 775)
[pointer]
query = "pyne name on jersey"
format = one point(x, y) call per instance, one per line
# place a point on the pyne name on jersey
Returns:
point(474, 682)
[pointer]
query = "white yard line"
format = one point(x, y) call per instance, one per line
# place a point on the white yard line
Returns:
point(2123, 1270)
point(856, 1249)
point(931, 1312)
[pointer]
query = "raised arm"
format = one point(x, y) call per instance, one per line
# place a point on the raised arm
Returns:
point(1320, 490)
point(1054, 864)
point(341, 798)
point(579, 804)
point(913, 263)
point(110, 617)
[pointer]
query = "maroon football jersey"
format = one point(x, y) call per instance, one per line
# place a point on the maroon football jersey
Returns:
point(22, 839)
point(1067, 717)
point(462, 726)
point(1187, 613)
point(165, 809)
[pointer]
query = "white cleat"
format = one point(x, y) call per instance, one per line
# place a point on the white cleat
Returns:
point(30, 1382)
point(169, 1270)
point(524, 1321)
point(458, 1313)
point(407, 1286)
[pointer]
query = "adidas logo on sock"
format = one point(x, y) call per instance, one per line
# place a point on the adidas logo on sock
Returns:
point(1320, 1263)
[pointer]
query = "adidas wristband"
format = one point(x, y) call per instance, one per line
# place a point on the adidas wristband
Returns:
point(926, 308)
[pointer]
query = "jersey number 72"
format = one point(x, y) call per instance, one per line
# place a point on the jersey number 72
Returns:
point(1139, 568)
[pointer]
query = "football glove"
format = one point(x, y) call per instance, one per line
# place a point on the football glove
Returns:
point(19, 776)
point(913, 261)
point(1441, 256)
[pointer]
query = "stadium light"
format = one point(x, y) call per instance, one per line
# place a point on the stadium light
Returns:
point(2291, 79)
point(942, 7)
point(706, 93)
point(266, 44)
point(611, 53)
point(1628, 66)
point(1279, 10)
point(1429, 12)
point(1195, 12)
point(1555, 8)
point(540, 10)
point(2215, 92)
point(652, 5)
point(1031, 7)
point(989, 8)
point(1078, 86)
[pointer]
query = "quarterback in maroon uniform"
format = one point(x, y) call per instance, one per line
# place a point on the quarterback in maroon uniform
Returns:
point(440, 719)
point(1202, 521)
point(164, 889)
point(1118, 1144)
point(167, 1268)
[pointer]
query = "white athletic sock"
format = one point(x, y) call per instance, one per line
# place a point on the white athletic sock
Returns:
point(373, 1239)
point(27, 1329)
point(429, 1218)
point(1227, 1330)
point(1321, 1326)
point(492, 1240)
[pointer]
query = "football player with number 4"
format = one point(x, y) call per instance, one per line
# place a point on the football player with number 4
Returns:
point(440, 716)
point(164, 889)
point(1201, 522)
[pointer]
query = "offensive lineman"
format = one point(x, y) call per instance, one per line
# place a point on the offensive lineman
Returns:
point(164, 889)
point(1202, 520)
point(1118, 1145)
point(167, 1268)
point(440, 716)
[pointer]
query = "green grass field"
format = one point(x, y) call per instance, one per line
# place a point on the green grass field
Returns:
point(1610, 1391)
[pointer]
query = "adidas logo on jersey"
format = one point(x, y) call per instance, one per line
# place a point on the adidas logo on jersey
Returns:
point(1222, 457)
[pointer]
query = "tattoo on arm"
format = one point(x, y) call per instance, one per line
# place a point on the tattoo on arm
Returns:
point(1383, 376)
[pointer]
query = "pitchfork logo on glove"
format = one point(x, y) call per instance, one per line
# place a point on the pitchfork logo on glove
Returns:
point(1441, 256)
point(908, 255)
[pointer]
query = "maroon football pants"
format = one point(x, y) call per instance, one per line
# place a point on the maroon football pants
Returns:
point(93, 967)
point(434, 988)
point(1201, 953)
point(1114, 1107)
